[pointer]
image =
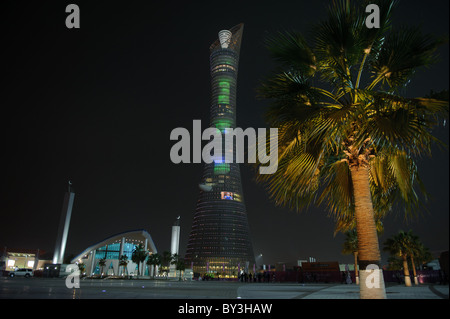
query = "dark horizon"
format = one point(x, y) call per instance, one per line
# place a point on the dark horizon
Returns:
point(96, 106)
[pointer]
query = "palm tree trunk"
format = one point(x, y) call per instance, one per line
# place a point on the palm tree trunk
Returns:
point(372, 282)
point(406, 271)
point(414, 271)
point(356, 267)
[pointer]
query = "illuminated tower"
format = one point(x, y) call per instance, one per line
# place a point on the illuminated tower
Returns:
point(175, 245)
point(64, 223)
point(175, 242)
point(219, 241)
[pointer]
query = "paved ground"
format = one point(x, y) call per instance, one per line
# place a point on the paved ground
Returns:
point(55, 288)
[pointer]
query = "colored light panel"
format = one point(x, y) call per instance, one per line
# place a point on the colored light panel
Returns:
point(221, 168)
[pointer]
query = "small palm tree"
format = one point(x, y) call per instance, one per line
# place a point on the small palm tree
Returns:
point(423, 255)
point(123, 262)
point(102, 263)
point(166, 260)
point(179, 264)
point(154, 260)
point(351, 247)
point(401, 245)
point(414, 246)
point(139, 255)
point(347, 139)
point(418, 254)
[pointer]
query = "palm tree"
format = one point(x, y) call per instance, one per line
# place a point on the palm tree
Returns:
point(423, 255)
point(401, 245)
point(418, 253)
point(179, 264)
point(102, 263)
point(154, 260)
point(346, 139)
point(139, 255)
point(166, 260)
point(351, 247)
point(123, 262)
point(414, 248)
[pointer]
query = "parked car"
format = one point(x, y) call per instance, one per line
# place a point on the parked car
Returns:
point(21, 272)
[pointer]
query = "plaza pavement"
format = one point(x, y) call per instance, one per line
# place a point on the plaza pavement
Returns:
point(55, 288)
point(338, 291)
point(393, 291)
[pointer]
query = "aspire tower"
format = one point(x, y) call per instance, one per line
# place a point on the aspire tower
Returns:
point(219, 241)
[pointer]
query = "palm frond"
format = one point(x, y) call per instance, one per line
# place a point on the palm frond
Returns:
point(402, 123)
point(402, 53)
point(291, 49)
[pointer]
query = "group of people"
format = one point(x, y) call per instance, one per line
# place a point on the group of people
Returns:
point(266, 276)
point(346, 278)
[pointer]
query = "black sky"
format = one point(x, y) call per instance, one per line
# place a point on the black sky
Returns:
point(96, 105)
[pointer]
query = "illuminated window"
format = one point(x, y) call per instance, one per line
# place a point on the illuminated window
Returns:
point(30, 263)
point(11, 262)
point(221, 168)
point(222, 124)
point(227, 195)
point(223, 68)
point(224, 92)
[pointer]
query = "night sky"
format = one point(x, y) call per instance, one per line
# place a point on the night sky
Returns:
point(96, 106)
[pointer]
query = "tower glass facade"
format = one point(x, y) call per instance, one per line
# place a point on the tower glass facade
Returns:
point(219, 242)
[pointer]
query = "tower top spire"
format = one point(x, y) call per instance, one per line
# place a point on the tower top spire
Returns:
point(229, 39)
